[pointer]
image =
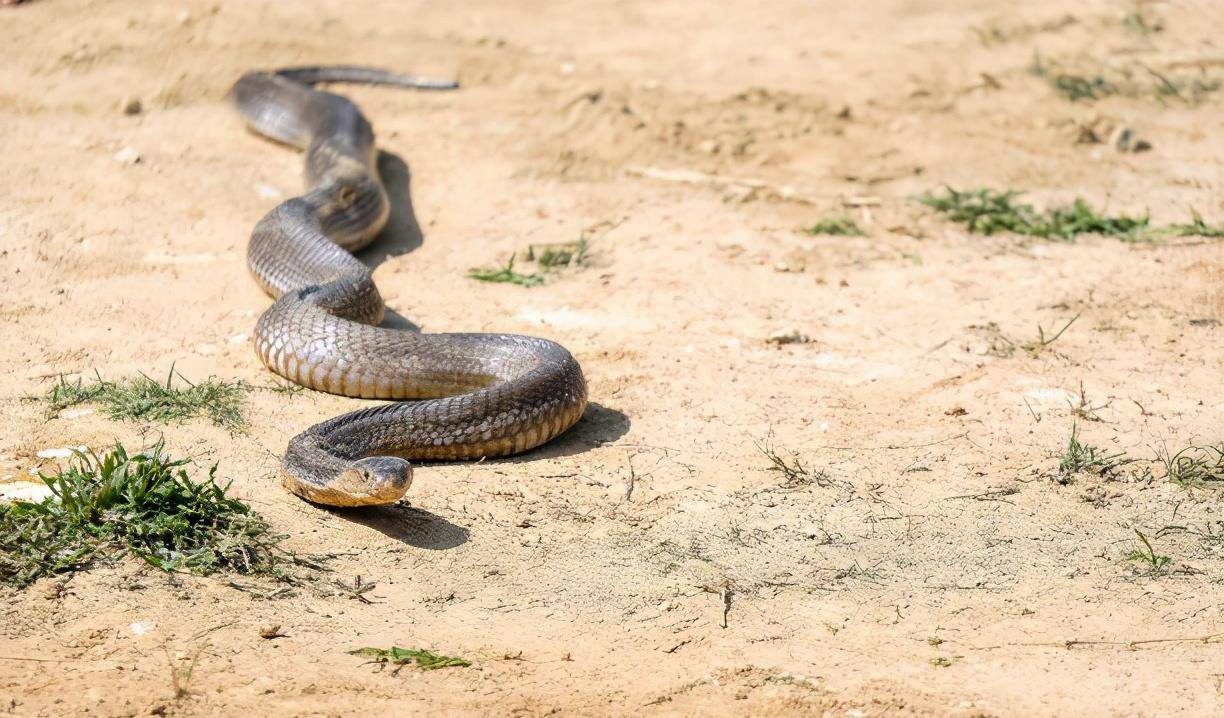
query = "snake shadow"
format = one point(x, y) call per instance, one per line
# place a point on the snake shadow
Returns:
point(402, 233)
point(408, 524)
point(600, 425)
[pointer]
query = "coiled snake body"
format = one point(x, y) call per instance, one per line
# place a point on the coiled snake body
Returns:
point(476, 395)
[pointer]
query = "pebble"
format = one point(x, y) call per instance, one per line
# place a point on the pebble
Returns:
point(267, 191)
point(207, 349)
point(239, 338)
point(76, 413)
point(31, 491)
point(131, 106)
point(127, 156)
point(140, 628)
point(59, 452)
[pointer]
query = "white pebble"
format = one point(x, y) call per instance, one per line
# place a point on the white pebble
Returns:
point(239, 338)
point(31, 491)
point(127, 156)
point(76, 413)
point(58, 453)
point(207, 349)
point(267, 191)
point(140, 628)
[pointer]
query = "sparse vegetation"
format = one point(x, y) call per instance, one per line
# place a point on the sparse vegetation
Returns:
point(144, 505)
point(561, 254)
point(1036, 346)
point(1193, 465)
point(507, 275)
point(1080, 458)
point(986, 211)
point(143, 399)
point(1148, 554)
point(1138, 22)
point(400, 657)
point(794, 473)
point(839, 226)
point(1094, 81)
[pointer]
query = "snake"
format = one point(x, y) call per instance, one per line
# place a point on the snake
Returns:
point(457, 396)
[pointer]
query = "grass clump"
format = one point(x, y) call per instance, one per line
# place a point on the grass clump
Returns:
point(558, 255)
point(838, 226)
point(400, 657)
point(507, 275)
point(144, 505)
point(795, 475)
point(1080, 458)
point(143, 399)
point(1193, 465)
point(985, 211)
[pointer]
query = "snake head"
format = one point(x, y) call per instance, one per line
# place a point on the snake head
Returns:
point(365, 482)
point(376, 479)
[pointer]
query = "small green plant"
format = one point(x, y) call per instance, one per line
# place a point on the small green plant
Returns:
point(986, 211)
point(144, 505)
point(426, 660)
point(945, 661)
point(1148, 554)
point(840, 226)
point(1138, 22)
point(143, 399)
point(1036, 346)
point(1197, 227)
point(507, 275)
point(1193, 465)
point(1080, 458)
point(561, 254)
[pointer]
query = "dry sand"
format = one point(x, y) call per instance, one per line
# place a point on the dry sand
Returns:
point(934, 569)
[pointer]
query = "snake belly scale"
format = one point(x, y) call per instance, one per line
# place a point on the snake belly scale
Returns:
point(465, 396)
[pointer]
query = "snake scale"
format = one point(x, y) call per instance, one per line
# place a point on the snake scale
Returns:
point(470, 395)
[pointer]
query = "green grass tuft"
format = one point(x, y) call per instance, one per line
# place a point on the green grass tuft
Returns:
point(838, 226)
point(1148, 554)
point(426, 660)
point(143, 399)
point(144, 505)
point(986, 211)
point(507, 275)
point(559, 254)
point(1193, 465)
point(1080, 458)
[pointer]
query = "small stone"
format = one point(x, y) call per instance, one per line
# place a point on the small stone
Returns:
point(271, 631)
point(239, 338)
point(207, 349)
point(267, 191)
point(788, 336)
point(127, 156)
point(183, 17)
point(76, 413)
point(131, 106)
point(59, 452)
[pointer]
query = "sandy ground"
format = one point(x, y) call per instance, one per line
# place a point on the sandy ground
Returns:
point(934, 569)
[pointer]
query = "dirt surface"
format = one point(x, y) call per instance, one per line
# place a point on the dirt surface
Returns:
point(649, 561)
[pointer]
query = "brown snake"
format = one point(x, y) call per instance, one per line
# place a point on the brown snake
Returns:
point(474, 395)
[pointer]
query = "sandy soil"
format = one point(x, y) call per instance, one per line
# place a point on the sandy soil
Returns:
point(934, 569)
